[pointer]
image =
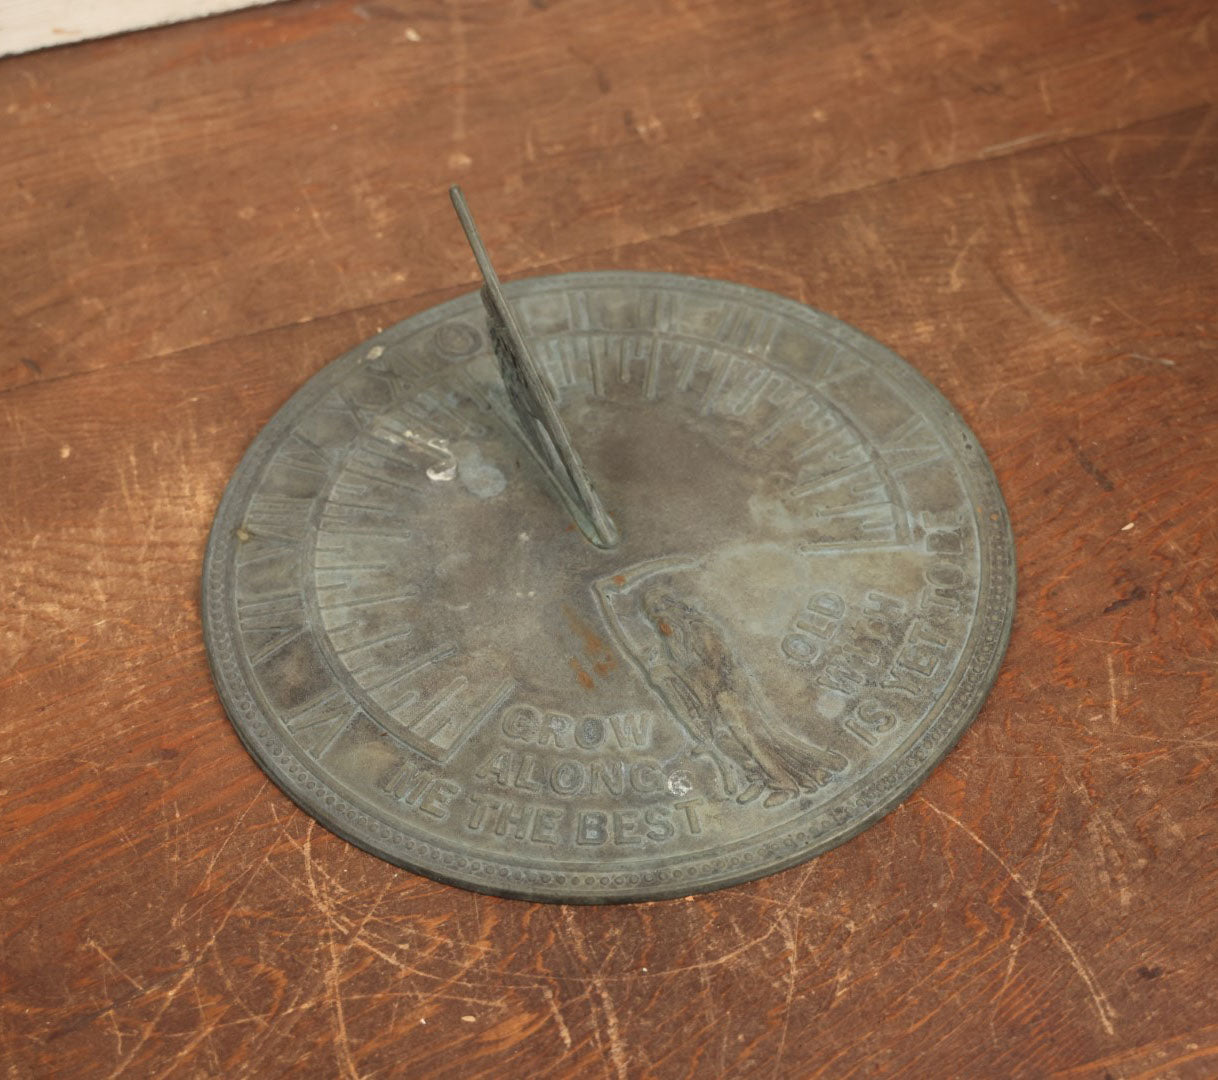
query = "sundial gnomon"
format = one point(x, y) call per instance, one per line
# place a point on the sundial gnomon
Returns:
point(623, 586)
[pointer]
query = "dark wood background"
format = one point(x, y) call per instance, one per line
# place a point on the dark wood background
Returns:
point(1020, 198)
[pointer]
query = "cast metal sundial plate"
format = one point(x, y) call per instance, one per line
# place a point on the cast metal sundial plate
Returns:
point(809, 595)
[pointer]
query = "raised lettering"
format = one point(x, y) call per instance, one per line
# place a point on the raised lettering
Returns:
point(514, 819)
point(526, 774)
point(545, 824)
point(607, 775)
point(521, 722)
point(646, 779)
point(690, 806)
point(868, 721)
point(659, 825)
point(632, 730)
point(555, 729)
point(592, 828)
point(626, 827)
point(568, 777)
point(590, 732)
point(483, 809)
point(438, 797)
point(500, 767)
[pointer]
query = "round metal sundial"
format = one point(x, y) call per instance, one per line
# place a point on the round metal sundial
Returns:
point(608, 587)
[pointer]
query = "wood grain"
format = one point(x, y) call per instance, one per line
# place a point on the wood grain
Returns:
point(184, 184)
point(1020, 202)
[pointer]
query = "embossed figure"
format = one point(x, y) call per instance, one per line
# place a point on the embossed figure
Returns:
point(694, 671)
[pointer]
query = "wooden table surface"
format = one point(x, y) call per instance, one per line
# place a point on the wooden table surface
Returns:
point(1021, 199)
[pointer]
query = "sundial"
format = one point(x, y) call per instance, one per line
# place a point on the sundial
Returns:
point(607, 586)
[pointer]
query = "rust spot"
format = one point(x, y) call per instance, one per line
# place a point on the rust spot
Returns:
point(593, 642)
point(603, 658)
point(585, 680)
point(664, 628)
point(570, 526)
point(619, 579)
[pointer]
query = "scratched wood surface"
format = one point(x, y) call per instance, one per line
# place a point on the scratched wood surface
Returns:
point(1022, 199)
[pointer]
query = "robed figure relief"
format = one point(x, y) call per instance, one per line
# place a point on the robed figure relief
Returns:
point(687, 662)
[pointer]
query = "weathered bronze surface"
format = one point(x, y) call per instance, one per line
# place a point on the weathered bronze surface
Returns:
point(809, 597)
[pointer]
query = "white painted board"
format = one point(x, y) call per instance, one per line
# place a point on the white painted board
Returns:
point(35, 24)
